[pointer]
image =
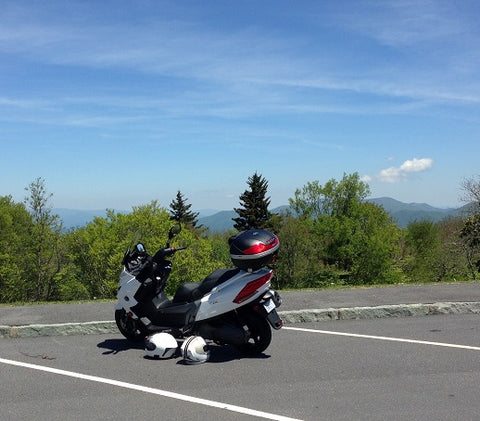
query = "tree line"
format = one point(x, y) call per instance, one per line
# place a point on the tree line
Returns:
point(330, 236)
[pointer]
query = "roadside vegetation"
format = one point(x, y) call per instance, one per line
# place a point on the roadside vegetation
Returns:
point(329, 237)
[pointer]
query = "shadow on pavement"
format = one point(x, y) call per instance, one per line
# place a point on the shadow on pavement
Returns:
point(218, 354)
point(114, 346)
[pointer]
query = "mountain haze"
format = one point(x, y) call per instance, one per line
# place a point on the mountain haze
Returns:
point(402, 213)
point(221, 221)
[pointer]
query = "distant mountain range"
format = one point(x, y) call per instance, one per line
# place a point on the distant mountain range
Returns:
point(74, 218)
point(220, 221)
point(404, 213)
point(401, 213)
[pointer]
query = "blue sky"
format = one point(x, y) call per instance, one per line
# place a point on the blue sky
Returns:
point(117, 103)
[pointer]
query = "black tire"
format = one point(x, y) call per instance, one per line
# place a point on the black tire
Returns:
point(132, 329)
point(260, 334)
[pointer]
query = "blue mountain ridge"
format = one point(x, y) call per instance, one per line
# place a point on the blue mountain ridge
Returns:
point(221, 221)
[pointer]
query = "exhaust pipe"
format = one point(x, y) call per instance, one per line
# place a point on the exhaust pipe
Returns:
point(227, 334)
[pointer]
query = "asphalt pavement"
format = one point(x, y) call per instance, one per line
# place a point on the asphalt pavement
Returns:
point(297, 307)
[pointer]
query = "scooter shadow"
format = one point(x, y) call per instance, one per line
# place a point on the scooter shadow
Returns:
point(218, 354)
point(114, 346)
point(227, 353)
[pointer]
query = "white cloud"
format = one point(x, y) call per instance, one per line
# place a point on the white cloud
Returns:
point(416, 165)
point(401, 173)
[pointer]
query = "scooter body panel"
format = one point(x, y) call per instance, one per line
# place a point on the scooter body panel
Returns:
point(217, 302)
point(221, 299)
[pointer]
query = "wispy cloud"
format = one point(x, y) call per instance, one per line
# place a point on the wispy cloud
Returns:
point(234, 72)
point(407, 22)
point(24, 103)
point(402, 172)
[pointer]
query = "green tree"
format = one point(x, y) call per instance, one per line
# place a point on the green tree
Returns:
point(98, 249)
point(220, 248)
point(298, 264)
point(45, 236)
point(455, 254)
point(253, 212)
point(424, 263)
point(355, 241)
point(471, 189)
point(180, 211)
point(307, 202)
point(15, 233)
point(375, 244)
point(470, 233)
point(335, 198)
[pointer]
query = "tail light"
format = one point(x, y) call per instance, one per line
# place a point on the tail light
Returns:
point(252, 287)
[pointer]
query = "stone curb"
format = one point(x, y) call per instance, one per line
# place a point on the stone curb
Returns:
point(289, 317)
point(58, 329)
point(394, 310)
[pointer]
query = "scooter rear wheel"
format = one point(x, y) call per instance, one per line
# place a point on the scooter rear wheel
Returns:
point(260, 334)
point(132, 329)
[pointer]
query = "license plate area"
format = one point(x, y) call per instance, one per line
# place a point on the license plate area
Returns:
point(269, 305)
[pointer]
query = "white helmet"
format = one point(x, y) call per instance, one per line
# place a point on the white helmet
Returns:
point(160, 345)
point(195, 350)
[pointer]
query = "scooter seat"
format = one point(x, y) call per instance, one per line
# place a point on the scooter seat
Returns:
point(192, 291)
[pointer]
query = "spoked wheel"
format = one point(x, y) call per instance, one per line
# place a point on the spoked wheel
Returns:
point(132, 329)
point(260, 334)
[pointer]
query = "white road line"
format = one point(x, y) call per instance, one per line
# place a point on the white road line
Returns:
point(151, 390)
point(384, 338)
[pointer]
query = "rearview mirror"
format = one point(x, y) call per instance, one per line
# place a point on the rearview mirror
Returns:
point(174, 231)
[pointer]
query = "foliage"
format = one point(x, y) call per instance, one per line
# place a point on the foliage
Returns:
point(220, 249)
point(335, 198)
point(180, 211)
point(471, 189)
point(45, 237)
point(254, 211)
point(308, 201)
point(375, 246)
point(345, 240)
point(99, 248)
point(15, 227)
point(454, 254)
point(297, 261)
point(423, 240)
point(470, 232)
point(331, 237)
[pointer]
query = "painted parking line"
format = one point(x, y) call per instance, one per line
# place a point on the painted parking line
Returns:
point(151, 390)
point(384, 338)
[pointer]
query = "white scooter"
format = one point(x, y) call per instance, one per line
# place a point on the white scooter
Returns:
point(230, 306)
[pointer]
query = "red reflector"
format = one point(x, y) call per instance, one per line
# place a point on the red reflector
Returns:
point(251, 288)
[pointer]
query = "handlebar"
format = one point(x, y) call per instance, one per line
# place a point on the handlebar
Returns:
point(167, 251)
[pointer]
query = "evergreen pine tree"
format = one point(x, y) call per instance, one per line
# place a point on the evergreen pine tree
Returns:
point(180, 211)
point(254, 211)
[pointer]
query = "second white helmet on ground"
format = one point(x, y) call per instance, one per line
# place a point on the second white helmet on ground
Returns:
point(195, 350)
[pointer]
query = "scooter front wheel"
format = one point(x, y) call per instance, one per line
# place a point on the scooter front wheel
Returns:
point(132, 329)
point(260, 334)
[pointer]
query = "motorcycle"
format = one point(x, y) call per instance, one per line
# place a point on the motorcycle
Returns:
point(233, 306)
